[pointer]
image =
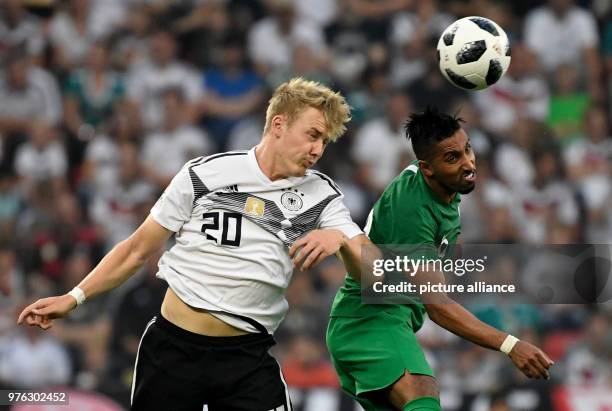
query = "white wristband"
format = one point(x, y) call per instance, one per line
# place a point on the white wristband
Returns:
point(78, 295)
point(508, 344)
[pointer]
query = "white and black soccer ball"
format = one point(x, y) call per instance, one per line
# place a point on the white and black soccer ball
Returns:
point(473, 53)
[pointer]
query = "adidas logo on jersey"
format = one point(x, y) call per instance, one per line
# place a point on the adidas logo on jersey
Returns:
point(230, 189)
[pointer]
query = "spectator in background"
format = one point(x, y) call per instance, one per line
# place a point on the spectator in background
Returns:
point(522, 92)
point(233, 90)
point(284, 30)
point(376, 15)
point(19, 29)
point(34, 359)
point(548, 201)
point(27, 94)
point(512, 157)
point(425, 21)
point(201, 30)
point(102, 159)
point(53, 236)
point(147, 82)
point(348, 47)
point(122, 206)
point(164, 152)
point(567, 104)
point(71, 34)
point(365, 99)
point(607, 53)
point(37, 216)
point(319, 12)
point(431, 88)
point(589, 363)
point(308, 371)
point(408, 62)
point(42, 158)
point(11, 203)
point(12, 286)
point(304, 63)
point(561, 32)
point(132, 46)
point(308, 313)
point(377, 167)
point(91, 93)
point(247, 132)
point(589, 160)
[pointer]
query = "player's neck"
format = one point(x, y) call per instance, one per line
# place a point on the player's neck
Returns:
point(269, 163)
point(439, 190)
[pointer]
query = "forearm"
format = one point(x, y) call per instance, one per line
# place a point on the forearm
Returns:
point(357, 253)
point(114, 269)
point(350, 254)
point(456, 319)
point(13, 125)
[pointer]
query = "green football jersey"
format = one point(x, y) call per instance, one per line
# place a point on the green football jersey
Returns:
point(408, 212)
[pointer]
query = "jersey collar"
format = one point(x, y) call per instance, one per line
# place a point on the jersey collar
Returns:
point(258, 172)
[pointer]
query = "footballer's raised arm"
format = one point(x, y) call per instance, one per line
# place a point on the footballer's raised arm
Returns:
point(337, 234)
point(168, 214)
point(114, 269)
point(449, 314)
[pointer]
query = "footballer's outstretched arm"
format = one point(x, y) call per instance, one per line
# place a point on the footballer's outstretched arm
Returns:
point(449, 314)
point(311, 249)
point(115, 268)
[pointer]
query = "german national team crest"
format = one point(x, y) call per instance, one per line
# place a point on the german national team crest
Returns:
point(291, 201)
point(254, 206)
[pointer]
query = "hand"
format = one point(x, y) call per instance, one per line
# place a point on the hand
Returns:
point(44, 311)
point(532, 361)
point(311, 249)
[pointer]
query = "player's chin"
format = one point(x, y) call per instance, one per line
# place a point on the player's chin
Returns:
point(299, 170)
point(466, 188)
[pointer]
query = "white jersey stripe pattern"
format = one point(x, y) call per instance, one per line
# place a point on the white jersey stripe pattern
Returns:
point(233, 229)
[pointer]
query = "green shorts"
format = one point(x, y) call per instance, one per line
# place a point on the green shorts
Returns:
point(371, 353)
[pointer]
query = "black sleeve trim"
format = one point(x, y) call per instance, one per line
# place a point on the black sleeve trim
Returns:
point(229, 153)
point(331, 183)
point(199, 188)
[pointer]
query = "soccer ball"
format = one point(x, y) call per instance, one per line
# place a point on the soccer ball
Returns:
point(473, 53)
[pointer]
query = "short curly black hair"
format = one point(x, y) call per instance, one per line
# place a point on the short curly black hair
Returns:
point(427, 128)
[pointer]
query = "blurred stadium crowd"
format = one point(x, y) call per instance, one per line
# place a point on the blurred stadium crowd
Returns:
point(102, 101)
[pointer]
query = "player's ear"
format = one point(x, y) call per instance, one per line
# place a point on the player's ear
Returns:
point(426, 168)
point(278, 124)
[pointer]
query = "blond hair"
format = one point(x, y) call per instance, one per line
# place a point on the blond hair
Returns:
point(297, 94)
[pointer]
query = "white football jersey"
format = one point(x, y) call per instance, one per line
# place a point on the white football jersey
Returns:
point(234, 227)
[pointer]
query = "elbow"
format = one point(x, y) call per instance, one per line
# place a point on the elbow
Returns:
point(441, 312)
point(435, 313)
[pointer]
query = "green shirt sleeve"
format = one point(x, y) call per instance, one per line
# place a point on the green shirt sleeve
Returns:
point(403, 218)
